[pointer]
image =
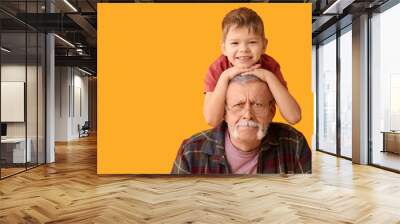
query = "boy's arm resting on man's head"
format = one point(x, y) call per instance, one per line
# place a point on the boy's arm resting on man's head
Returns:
point(288, 106)
point(214, 102)
point(213, 108)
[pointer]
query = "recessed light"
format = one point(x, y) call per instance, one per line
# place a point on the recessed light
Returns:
point(64, 40)
point(337, 7)
point(71, 6)
point(84, 71)
point(5, 50)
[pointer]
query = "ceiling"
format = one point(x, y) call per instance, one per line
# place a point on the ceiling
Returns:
point(76, 22)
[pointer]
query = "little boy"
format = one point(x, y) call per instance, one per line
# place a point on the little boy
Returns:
point(243, 47)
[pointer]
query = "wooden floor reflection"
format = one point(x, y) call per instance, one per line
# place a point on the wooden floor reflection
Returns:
point(70, 191)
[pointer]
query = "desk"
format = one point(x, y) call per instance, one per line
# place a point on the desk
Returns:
point(391, 141)
point(15, 148)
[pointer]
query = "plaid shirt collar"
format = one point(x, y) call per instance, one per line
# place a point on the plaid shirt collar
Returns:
point(282, 150)
point(215, 144)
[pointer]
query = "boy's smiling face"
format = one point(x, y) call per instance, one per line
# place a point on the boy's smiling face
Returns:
point(243, 47)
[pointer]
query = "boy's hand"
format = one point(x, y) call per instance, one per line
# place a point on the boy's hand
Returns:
point(260, 73)
point(234, 71)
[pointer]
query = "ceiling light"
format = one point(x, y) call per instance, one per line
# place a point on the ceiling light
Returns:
point(65, 41)
point(71, 6)
point(337, 7)
point(79, 51)
point(5, 50)
point(84, 71)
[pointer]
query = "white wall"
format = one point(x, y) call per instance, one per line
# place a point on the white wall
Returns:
point(71, 94)
point(61, 103)
point(13, 73)
point(81, 102)
point(33, 127)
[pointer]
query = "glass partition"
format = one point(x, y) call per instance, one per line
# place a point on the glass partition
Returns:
point(32, 95)
point(22, 88)
point(327, 95)
point(32, 85)
point(346, 93)
point(41, 85)
point(14, 153)
point(385, 89)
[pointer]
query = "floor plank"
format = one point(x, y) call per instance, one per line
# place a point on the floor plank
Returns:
point(70, 191)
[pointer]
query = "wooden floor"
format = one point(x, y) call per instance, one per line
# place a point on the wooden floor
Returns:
point(10, 171)
point(387, 159)
point(69, 191)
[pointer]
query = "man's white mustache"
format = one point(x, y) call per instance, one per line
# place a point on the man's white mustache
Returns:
point(244, 123)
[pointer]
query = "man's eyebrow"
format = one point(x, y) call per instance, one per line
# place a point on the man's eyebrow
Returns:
point(257, 101)
point(238, 100)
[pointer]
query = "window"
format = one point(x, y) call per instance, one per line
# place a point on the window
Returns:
point(22, 64)
point(385, 86)
point(346, 93)
point(327, 95)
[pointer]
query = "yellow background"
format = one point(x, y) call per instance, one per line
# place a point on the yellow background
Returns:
point(152, 59)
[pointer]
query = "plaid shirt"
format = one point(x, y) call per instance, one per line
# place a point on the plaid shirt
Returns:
point(283, 150)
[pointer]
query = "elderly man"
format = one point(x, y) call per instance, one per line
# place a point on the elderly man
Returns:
point(247, 142)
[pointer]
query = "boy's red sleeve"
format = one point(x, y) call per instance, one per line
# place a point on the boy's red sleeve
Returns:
point(269, 63)
point(214, 72)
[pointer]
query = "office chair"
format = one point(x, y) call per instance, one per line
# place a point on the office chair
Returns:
point(84, 130)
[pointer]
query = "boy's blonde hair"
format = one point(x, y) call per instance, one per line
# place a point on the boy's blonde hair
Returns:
point(243, 17)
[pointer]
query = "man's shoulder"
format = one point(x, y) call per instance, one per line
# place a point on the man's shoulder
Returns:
point(280, 130)
point(199, 137)
point(295, 154)
point(203, 142)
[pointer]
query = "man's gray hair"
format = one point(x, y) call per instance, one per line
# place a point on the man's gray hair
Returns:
point(245, 79)
point(242, 79)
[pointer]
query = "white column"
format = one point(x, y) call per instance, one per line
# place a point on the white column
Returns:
point(50, 92)
point(360, 90)
point(50, 99)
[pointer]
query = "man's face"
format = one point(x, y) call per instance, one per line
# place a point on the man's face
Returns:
point(243, 47)
point(248, 111)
